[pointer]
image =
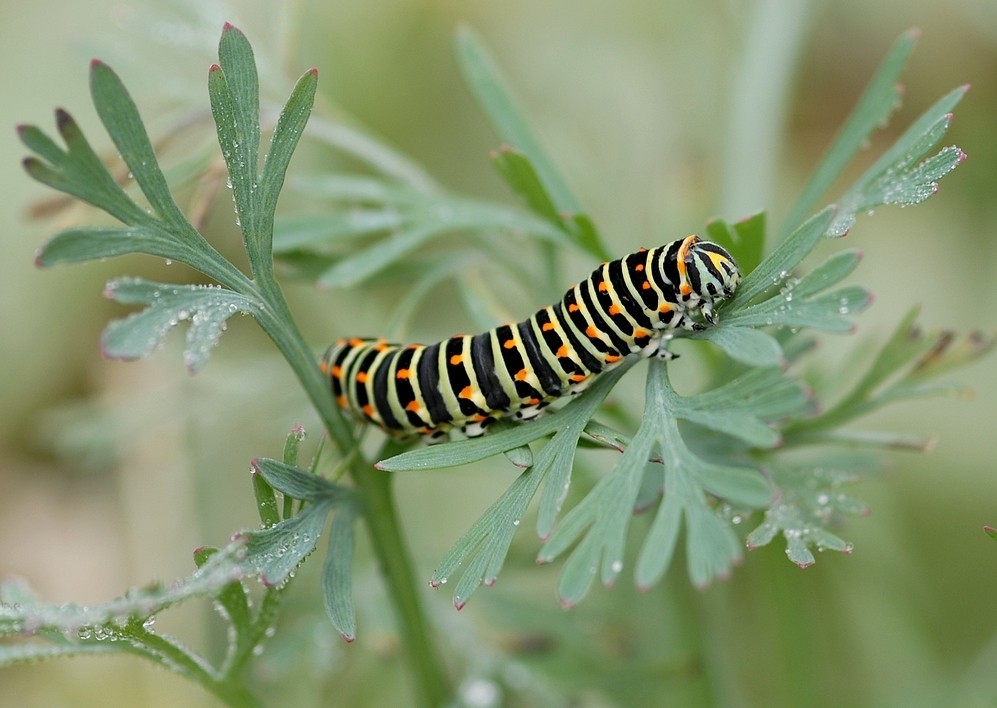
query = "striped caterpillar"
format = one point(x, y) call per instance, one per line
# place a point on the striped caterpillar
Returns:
point(629, 306)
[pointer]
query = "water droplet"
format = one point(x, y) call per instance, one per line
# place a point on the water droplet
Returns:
point(480, 693)
point(149, 624)
point(617, 566)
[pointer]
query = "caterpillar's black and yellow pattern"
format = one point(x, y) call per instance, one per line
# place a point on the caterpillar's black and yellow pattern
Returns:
point(625, 307)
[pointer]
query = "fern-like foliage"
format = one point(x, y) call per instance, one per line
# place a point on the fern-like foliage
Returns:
point(736, 446)
point(754, 445)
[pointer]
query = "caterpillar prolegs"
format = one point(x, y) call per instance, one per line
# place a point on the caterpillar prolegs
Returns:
point(626, 307)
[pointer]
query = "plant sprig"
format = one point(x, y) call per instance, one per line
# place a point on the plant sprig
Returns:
point(704, 461)
point(162, 230)
point(772, 295)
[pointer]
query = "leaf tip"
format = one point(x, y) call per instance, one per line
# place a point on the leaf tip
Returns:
point(990, 531)
point(228, 28)
point(213, 69)
point(97, 64)
point(313, 71)
point(349, 637)
point(40, 258)
point(62, 119)
point(32, 165)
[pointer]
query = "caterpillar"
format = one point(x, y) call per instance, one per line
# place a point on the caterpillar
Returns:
point(630, 306)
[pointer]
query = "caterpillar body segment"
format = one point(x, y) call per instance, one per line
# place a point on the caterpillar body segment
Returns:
point(627, 307)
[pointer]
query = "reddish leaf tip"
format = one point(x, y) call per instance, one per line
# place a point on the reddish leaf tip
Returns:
point(349, 638)
point(313, 71)
point(213, 68)
point(96, 64)
point(914, 33)
point(459, 604)
point(227, 26)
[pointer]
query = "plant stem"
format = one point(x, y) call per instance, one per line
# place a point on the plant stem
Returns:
point(374, 488)
point(165, 653)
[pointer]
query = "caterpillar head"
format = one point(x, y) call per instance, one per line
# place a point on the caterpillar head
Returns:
point(708, 273)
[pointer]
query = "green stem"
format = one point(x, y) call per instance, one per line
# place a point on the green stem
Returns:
point(165, 653)
point(375, 490)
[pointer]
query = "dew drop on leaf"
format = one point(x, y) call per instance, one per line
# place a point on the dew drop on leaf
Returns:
point(480, 693)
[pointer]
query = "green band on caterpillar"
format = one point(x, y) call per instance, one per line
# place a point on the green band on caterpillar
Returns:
point(625, 307)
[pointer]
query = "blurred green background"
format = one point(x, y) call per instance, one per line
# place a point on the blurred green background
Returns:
point(111, 473)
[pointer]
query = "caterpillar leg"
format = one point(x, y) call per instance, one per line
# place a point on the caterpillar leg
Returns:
point(475, 429)
point(432, 437)
point(530, 412)
point(659, 349)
